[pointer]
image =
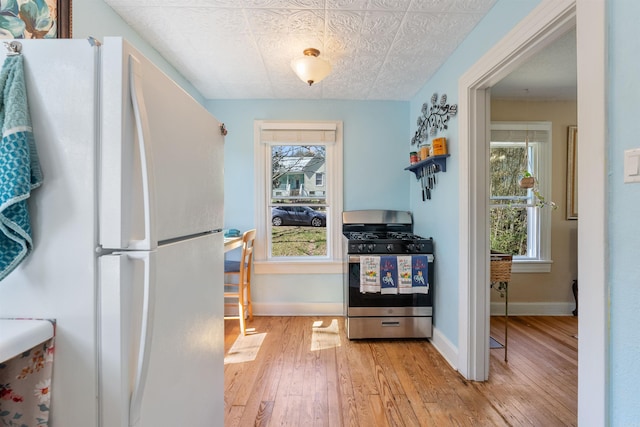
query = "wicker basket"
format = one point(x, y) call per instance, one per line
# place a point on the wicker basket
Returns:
point(501, 268)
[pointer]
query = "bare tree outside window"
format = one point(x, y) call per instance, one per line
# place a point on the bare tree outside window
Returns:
point(508, 215)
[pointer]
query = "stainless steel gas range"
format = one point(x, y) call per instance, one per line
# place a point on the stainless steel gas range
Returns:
point(389, 277)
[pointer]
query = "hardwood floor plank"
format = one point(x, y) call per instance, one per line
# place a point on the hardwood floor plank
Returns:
point(333, 402)
point(307, 373)
point(346, 398)
point(408, 414)
point(407, 375)
point(359, 359)
point(279, 413)
point(255, 402)
point(377, 409)
point(264, 413)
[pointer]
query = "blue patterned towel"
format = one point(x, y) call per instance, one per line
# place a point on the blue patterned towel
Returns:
point(19, 167)
point(388, 275)
point(420, 268)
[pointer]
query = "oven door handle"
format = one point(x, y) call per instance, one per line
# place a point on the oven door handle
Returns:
point(388, 323)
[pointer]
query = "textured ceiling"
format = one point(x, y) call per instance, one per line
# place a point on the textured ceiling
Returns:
point(242, 49)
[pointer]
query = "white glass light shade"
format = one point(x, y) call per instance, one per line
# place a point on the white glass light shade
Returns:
point(310, 68)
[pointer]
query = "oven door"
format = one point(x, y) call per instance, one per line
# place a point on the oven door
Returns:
point(377, 304)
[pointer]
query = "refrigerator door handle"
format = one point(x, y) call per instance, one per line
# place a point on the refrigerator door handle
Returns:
point(146, 332)
point(146, 160)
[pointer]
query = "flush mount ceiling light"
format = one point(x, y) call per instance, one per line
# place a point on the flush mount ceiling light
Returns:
point(310, 68)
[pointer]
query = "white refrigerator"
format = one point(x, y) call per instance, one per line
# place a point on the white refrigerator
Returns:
point(128, 248)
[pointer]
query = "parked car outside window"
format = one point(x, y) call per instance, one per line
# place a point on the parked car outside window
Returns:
point(297, 215)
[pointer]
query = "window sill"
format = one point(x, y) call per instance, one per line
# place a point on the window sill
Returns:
point(299, 267)
point(531, 266)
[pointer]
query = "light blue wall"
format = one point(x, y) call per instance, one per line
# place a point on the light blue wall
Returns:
point(95, 18)
point(438, 217)
point(375, 135)
point(624, 213)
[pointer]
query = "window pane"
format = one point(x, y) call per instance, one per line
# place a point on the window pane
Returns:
point(509, 230)
point(298, 201)
point(507, 165)
point(293, 174)
point(299, 240)
point(517, 226)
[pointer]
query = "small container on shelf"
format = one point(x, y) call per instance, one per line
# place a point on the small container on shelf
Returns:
point(439, 146)
point(424, 152)
point(413, 157)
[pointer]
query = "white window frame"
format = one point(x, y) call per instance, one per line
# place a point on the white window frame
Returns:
point(306, 132)
point(321, 176)
point(538, 258)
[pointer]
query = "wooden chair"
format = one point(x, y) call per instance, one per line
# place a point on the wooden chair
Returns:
point(241, 290)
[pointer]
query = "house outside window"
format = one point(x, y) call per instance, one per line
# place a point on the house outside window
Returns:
point(298, 195)
point(517, 225)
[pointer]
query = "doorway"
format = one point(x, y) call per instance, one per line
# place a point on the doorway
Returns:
point(534, 106)
point(544, 25)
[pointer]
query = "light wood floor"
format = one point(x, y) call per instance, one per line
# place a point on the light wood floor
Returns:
point(303, 371)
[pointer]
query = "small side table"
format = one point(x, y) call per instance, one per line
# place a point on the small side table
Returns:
point(500, 278)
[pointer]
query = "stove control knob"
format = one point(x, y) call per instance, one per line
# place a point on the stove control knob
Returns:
point(411, 247)
point(371, 247)
point(360, 247)
point(390, 247)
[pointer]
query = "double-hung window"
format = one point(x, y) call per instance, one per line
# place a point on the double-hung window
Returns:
point(298, 168)
point(517, 225)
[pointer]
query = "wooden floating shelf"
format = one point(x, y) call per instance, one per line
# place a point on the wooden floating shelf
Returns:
point(441, 161)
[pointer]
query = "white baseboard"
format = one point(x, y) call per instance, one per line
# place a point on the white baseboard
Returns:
point(534, 308)
point(445, 348)
point(298, 309)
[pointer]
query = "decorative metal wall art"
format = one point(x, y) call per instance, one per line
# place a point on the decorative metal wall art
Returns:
point(435, 118)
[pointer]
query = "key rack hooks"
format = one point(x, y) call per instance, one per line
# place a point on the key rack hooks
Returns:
point(441, 161)
point(426, 171)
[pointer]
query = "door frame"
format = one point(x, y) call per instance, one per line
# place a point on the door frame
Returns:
point(547, 22)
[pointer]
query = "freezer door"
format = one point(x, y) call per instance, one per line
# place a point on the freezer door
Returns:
point(161, 335)
point(161, 155)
